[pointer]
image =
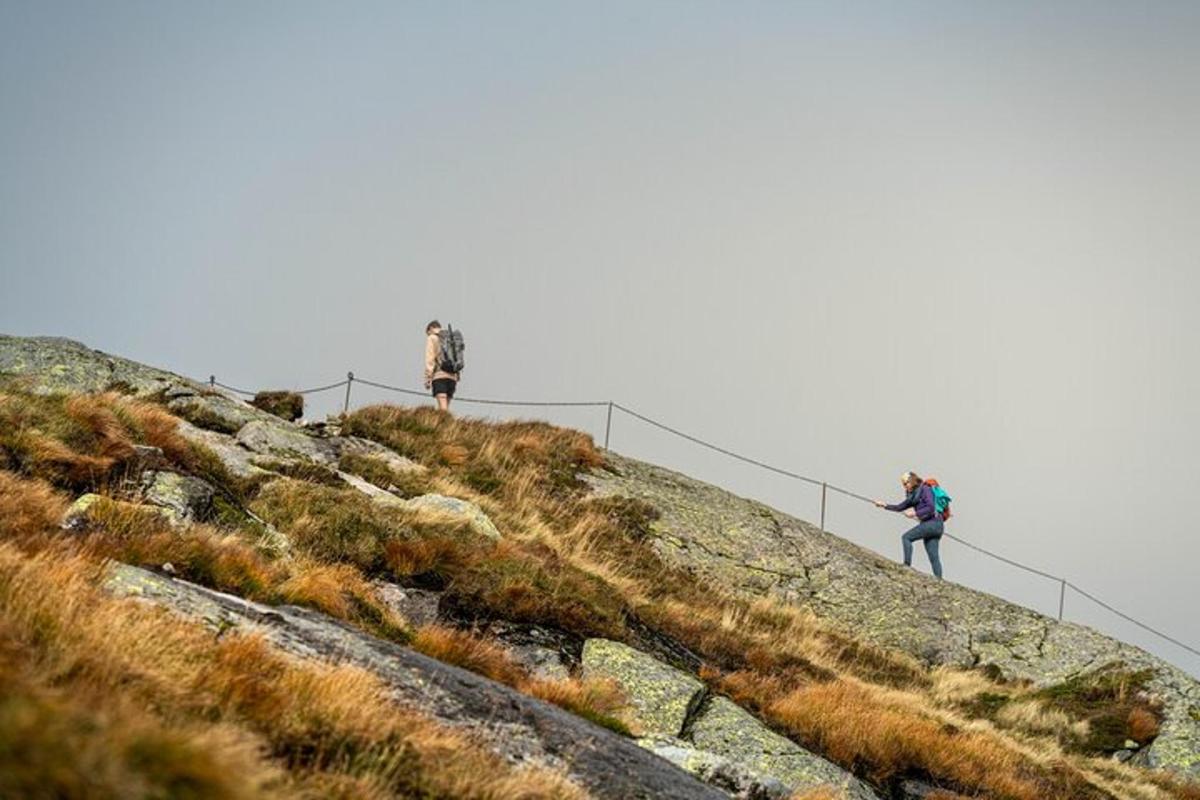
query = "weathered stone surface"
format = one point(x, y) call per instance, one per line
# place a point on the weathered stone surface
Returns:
point(518, 727)
point(661, 696)
point(226, 414)
point(237, 459)
point(366, 487)
point(353, 445)
point(76, 516)
point(714, 770)
point(729, 731)
point(748, 547)
point(465, 510)
point(52, 364)
point(417, 606)
point(543, 652)
point(278, 439)
point(188, 497)
point(79, 515)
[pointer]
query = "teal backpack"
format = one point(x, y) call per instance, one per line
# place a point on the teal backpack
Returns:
point(941, 500)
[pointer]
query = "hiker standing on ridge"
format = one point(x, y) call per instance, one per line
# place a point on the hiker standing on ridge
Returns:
point(921, 498)
point(443, 362)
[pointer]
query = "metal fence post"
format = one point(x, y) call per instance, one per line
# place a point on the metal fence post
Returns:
point(824, 489)
point(608, 424)
point(349, 383)
point(1062, 597)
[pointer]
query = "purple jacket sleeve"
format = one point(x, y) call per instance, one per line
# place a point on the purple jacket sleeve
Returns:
point(908, 503)
point(922, 500)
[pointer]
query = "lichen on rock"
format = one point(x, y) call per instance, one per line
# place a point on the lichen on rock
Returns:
point(187, 497)
point(661, 696)
point(730, 731)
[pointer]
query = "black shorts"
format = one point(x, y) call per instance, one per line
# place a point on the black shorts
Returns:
point(444, 386)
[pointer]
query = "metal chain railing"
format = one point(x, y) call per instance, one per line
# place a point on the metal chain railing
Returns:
point(824, 486)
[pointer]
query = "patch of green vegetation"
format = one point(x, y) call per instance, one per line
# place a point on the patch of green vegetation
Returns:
point(1105, 698)
point(537, 588)
point(204, 463)
point(406, 483)
point(202, 416)
point(332, 525)
point(283, 404)
point(1194, 713)
point(985, 705)
point(304, 471)
point(482, 478)
point(409, 433)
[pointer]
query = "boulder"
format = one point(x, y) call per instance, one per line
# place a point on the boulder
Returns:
point(661, 696)
point(729, 731)
point(215, 412)
point(716, 771)
point(187, 497)
point(284, 441)
point(465, 510)
point(515, 726)
point(234, 457)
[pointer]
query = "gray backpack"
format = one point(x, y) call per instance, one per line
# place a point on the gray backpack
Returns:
point(452, 345)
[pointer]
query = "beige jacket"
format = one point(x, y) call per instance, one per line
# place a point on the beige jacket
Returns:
point(433, 371)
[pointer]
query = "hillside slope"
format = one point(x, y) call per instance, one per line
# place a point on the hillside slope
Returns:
point(760, 655)
point(757, 550)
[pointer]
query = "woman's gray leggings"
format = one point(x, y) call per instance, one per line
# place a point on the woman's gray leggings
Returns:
point(931, 531)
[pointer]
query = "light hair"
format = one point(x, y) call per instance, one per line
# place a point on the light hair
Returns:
point(910, 477)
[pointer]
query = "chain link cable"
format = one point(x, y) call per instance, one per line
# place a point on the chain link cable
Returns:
point(1128, 618)
point(711, 446)
point(314, 390)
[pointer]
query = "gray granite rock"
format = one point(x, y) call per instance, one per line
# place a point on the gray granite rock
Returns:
point(187, 497)
point(416, 606)
point(518, 727)
point(283, 440)
point(52, 364)
point(722, 773)
point(660, 696)
point(729, 731)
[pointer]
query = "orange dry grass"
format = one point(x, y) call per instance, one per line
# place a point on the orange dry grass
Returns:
point(819, 793)
point(469, 652)
point(853, 725)
point(524, 476)
point(1143, 726)
point(28, 509)
point(320, 722)
point(599, 701)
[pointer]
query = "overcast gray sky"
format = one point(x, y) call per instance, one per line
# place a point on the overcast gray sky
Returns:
point(849, 238)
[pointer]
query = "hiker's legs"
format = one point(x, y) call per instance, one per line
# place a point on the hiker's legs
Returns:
point(443, 392)
point(908, 539)
point(930, 530)
point(931, 550)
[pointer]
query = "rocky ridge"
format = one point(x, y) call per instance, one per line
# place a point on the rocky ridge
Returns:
point(748, 547)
